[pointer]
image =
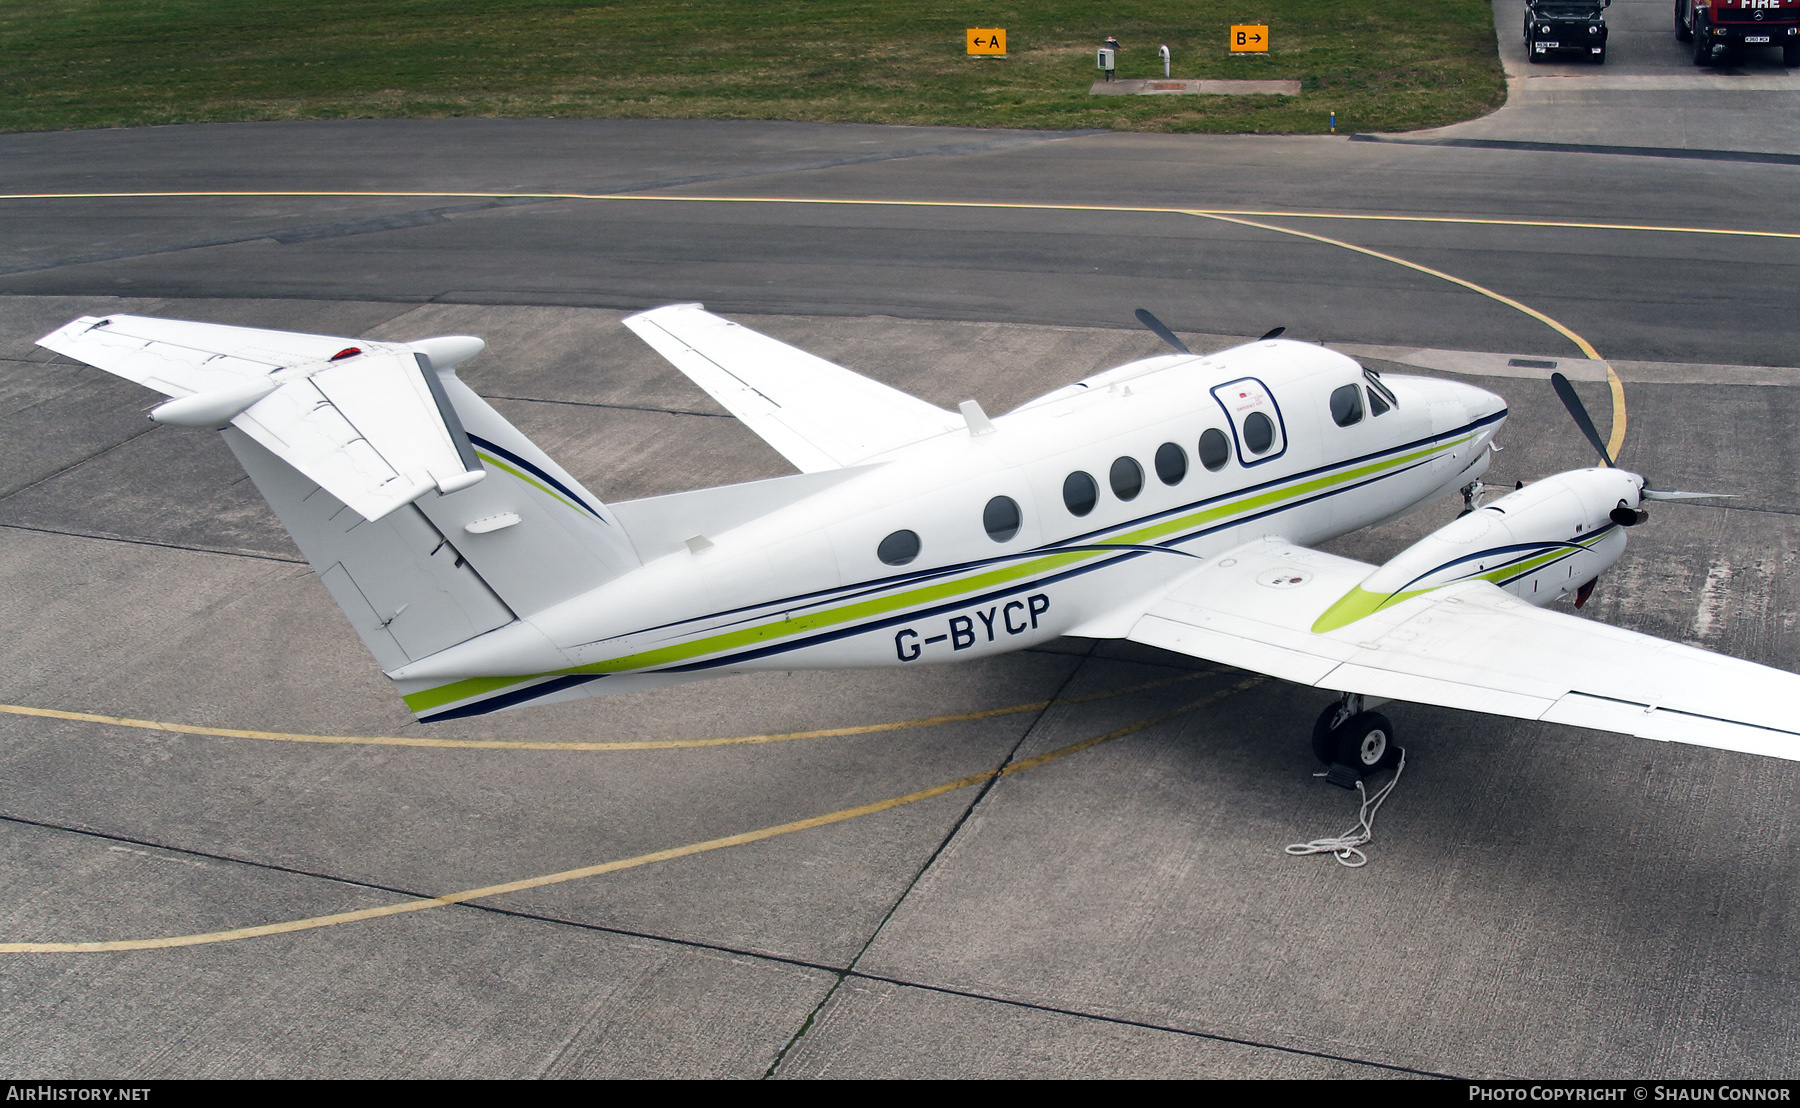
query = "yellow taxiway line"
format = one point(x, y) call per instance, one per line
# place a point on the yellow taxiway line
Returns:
point(420, 905)
point(649, 744)
point(1134, 209)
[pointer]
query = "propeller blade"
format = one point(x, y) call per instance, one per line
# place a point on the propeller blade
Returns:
point(1162, 332)
point(1672, 494)
point(1566, 393)
point(1276, 333)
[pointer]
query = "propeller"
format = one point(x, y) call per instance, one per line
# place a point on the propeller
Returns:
point(1161, 330)
point(1578, 411)
point(1565, 392)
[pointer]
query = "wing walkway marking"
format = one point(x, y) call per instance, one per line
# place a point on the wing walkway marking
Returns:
point(740, 839)
point(1227, 215)
point(648, 744)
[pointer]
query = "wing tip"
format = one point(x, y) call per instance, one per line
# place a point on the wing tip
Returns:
point(73, 327)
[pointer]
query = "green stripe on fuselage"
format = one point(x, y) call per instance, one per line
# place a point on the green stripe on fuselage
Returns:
point(789, 626)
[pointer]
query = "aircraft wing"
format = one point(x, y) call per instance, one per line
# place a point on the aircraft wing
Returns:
point(817, 415)
point(372, 427)
point(1471, 646)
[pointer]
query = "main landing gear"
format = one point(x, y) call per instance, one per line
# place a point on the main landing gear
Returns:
point(1353, 741)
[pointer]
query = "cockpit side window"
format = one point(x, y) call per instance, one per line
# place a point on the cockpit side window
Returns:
point(1346, 405)
point(1381, 398)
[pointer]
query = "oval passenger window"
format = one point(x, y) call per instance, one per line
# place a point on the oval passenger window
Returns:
point(1346, 405)
point(1080, 493)
point(1126, 478)
point(1259, 432)
point(1171, 463)
point(899, 548)
point(1001, 518)
point(1215, 449)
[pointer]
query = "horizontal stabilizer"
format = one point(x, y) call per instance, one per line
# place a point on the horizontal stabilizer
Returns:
point(368, 421)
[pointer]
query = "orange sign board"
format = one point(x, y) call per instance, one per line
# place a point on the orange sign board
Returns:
point(987, 40)
point(1250, 38)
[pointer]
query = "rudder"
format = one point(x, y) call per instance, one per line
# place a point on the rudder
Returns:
point(447, 568)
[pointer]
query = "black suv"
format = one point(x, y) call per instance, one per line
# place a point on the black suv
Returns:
point(1575, 25)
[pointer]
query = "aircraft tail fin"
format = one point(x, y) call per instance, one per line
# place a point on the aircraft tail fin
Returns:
point(444, 569)
point(429, 517)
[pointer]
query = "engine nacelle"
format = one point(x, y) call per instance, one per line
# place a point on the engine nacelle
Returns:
point(1540, 543)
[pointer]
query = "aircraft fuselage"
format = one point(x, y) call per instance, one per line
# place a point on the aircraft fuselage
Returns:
point(806, 586)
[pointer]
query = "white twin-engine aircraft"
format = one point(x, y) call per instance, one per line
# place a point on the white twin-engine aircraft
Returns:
point(1170, 501)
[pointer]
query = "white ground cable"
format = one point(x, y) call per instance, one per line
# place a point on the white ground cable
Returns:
point(1347, 847)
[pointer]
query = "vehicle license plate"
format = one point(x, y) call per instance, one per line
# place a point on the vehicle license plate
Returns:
point(1756, 38)
point(1549, 46)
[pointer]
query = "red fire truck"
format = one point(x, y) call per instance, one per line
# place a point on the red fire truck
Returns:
point(1719, 27)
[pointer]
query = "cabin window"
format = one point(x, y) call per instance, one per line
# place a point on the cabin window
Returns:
point(1001, 518)
point(1126, 478)
point(1171, 463)
point(1215, 449)
point(899, 548)
point(1259, 432)
point(1346, 405)
point(1080, 494)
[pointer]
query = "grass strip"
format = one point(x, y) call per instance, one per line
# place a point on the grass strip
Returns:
point(1379, 64)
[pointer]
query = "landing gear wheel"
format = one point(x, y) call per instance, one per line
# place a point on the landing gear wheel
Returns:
point(1683, 32)
point(1365, 743)
point(1790, 54)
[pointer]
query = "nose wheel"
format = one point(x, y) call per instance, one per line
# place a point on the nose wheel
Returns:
point(1471, 494)
point(1353, 742)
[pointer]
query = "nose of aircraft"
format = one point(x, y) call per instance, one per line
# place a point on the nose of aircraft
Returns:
point(1481, 403)
point(1454, 405)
